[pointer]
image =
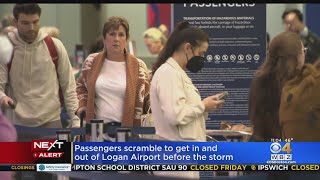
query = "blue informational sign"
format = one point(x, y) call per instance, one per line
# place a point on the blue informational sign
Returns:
point(196, 153)
point(311, 11)
point(237, 43)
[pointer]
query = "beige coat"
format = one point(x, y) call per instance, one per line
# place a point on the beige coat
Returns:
point(34, 82)
point(177, 109)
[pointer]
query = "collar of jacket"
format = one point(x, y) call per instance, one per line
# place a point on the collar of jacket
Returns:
point(308, 74)
point(17, 40)
point(173, 63)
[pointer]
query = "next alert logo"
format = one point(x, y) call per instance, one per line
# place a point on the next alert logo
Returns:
point(279, 153)
point(47, 148)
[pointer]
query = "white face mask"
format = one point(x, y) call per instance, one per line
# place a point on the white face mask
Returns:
point(5, 50)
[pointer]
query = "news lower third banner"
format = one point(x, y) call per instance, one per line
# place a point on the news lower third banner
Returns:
point(188, 153)
point(158, 153)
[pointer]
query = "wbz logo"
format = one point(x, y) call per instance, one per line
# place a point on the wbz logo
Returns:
point(277, 148)
point(284, 157)
point(46, 145)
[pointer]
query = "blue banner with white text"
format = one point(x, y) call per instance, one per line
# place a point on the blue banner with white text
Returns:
point(196, 153)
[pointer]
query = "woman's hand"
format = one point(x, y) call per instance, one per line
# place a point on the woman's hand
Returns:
point(212, 103)
point(80, 110)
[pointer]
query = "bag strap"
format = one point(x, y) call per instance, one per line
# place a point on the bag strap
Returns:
point(54, 56)
point(52, 50)
point(10, 62)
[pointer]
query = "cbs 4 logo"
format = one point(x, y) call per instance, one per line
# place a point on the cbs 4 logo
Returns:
point(276, 148)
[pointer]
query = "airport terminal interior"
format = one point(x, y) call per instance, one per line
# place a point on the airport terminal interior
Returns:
point(218, 73)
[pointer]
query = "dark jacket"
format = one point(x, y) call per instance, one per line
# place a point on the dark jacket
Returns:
point(312, 42)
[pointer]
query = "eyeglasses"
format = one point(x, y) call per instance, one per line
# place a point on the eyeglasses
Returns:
point(305, 50)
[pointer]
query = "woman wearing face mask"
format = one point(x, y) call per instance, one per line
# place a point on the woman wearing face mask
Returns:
point(178, 111)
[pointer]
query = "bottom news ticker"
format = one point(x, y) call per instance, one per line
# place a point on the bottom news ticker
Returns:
point(159, 167)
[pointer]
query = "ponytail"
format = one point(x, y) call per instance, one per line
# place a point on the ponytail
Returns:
point(170, 47)
point(181, 34)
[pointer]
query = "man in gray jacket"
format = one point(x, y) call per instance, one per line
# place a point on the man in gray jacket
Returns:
point(33, 79)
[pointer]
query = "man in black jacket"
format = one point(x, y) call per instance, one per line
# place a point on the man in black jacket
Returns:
point(293, 20)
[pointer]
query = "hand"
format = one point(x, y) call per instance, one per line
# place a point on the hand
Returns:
point(74, 123)
point(212, 103)
point(80, 110)
point(7, 102)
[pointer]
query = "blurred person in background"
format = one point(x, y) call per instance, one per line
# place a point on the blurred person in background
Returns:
point(178, 112)
point(51, 31)
point(97, 46)
point(114, 85)
point(155, 40)
point(6, 21)
point(7, 25)
point(7, 130)
point(8, 29)
point(293, 21)
point(164, 29)
point(7, 134)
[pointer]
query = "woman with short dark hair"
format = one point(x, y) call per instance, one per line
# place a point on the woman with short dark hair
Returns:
point(114, 85)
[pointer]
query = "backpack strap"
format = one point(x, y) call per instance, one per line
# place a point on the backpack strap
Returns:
point(52, 50)
point(10, 62)
point(54, 56)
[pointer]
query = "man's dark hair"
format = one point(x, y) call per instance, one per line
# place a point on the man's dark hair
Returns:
point(28, 9)
point(295, 11)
